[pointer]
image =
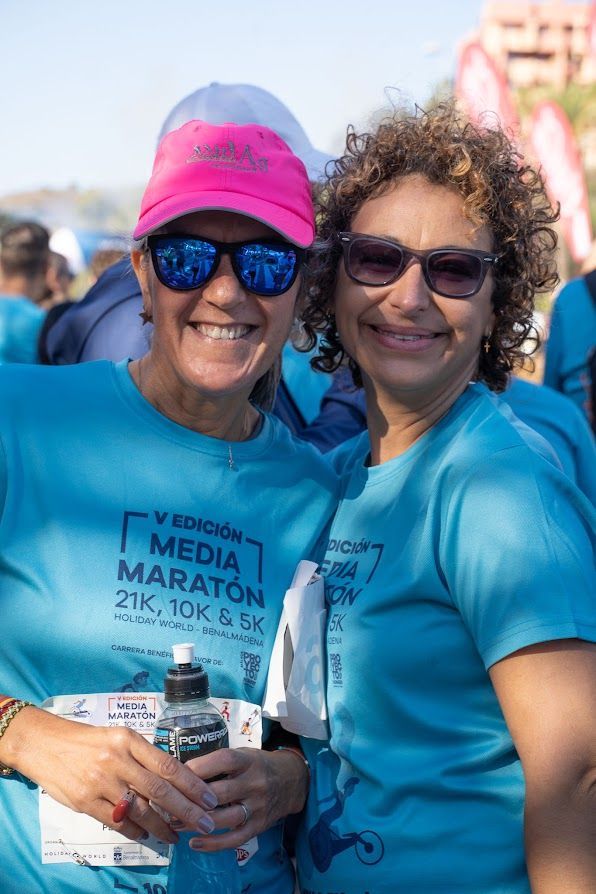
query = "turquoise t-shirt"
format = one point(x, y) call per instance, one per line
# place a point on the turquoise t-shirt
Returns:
point(306, 386)
point(465, 548)
point(562, 424)
point(572, 334)
point(20, 324)
point(122, 533)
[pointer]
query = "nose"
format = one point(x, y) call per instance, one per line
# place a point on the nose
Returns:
point(410, 293)
point(224, 289)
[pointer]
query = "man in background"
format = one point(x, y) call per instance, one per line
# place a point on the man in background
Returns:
point(571, 346)
point(59, 279)
point(24, 257)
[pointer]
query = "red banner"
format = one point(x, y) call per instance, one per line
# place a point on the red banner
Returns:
point(482, 88)
point(592, 30)
point(555, 148)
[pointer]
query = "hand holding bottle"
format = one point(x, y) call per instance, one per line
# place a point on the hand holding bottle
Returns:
point(266, 785)
point(191, 725)
point(88, 768)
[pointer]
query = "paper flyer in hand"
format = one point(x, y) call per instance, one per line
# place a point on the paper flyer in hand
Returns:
point(295, 692)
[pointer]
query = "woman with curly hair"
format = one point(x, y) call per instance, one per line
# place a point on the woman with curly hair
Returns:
point(459, 571)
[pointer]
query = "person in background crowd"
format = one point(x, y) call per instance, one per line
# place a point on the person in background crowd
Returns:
point(24, 253)
point(102, 259)
point(461, 676)
point(59, 278)
point(135, 494)
point(572, 338)
point(106, 323)
point(562, 424)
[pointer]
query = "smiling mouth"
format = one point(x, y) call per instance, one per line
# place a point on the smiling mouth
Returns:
point(400, 336)
point(222, 333)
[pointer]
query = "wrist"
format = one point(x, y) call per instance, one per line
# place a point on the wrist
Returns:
point(296, 773)
point(10, 708)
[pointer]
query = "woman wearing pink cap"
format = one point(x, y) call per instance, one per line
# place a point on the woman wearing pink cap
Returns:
point(148, 502)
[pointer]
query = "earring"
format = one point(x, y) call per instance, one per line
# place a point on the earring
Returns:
point(298, 334)
point(146, 317)
point(297, 331)
point(486, 344)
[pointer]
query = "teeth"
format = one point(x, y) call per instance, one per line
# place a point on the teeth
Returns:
point(223, 333)
point(405, 337)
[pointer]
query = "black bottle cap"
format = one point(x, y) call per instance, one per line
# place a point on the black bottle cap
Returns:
point(184, 682)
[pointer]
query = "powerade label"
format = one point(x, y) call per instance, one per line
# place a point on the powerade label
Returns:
point(187, 743)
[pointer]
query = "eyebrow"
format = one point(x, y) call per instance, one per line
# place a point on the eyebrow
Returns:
point(450, 247)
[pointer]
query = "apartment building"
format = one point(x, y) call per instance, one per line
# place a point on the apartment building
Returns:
point(539, 44)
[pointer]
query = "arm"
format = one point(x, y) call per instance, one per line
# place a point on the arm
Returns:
point(548, 695)
point(88, 768)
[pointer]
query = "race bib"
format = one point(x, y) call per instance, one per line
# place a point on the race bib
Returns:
point(68, 836)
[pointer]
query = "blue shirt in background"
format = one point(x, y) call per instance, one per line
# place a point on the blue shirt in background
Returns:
point(572, 335)
point(562, 424)
point(20, 324)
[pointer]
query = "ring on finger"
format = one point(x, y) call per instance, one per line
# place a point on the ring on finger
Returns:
point(246, 816)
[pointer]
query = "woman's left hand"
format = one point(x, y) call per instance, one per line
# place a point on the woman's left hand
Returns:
point(259, 788)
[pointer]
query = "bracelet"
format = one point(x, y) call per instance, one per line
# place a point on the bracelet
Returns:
point(298, 754)
point(5, 702)
point(8, 711)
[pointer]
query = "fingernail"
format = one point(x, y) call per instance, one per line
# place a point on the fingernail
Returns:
point(206, 825)
point(197, 844)
point(209, 801)
point(170, 839)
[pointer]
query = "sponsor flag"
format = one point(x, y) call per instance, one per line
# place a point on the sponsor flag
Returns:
point(481, 87)
point(555, 148)
point(592, 30)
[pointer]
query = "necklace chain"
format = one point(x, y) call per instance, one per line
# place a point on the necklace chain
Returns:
point(247, 425)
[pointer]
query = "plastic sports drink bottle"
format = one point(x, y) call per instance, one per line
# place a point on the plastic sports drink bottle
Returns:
point(190, 727)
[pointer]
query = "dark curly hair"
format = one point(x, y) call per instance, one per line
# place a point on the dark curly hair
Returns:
point(499, 190)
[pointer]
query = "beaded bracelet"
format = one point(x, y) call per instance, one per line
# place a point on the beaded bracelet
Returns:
point(298, 754)
point(5, 702)
point(9, 709)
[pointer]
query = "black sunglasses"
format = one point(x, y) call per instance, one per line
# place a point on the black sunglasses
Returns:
point(450, 272)
point(264, 266)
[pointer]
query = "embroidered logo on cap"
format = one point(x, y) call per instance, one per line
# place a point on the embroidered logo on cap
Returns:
point(229, 156)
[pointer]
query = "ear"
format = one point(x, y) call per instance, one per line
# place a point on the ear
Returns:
point(139, 261)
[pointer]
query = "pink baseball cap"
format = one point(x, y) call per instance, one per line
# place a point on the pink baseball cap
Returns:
point(229, 167)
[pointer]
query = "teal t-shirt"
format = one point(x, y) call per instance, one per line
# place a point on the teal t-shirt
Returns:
point(122, 533)
point(465, 548)
point(562, 424)
point(306, 386)
point(20, 324)
point(572, 334)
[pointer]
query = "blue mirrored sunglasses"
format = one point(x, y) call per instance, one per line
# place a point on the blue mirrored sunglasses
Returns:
point(263, 266)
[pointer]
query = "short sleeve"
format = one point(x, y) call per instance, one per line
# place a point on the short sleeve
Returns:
point(517, 552)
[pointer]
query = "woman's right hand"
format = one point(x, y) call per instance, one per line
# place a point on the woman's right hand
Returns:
point(89, 768)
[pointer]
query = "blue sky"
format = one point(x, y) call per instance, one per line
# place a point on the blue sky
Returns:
point(85, 86)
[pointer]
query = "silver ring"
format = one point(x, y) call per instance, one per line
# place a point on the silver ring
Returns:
point(246, 814)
